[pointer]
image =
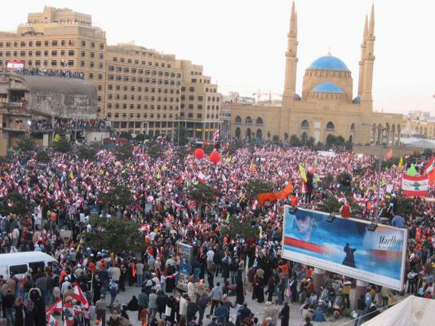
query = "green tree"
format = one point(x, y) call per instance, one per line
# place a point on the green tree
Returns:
point(234, 146)
point(124, 152)
point(275, 138)
point(62, 144)
point(25, 144)
point(405, 206)
point(331, 205)
point(87, 152)
point(140, 137)
point(255, 187)
point(125, 134)
point(310, 142)
point(295, 141)
point(14, 203)
point(242, 228)
point(118, 196)
point(208, 149)
point(331, 140)
point(155, 151)
point(42, 157)
point(203, 194)
point(117, 235)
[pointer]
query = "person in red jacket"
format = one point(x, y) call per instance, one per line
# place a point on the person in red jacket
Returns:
point(345, 210)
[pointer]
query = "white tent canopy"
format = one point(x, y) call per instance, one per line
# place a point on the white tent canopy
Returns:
point(412, 311)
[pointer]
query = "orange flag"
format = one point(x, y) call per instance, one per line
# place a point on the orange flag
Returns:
point(432, 178)
point(287, 191)
point(268, 196)
point(389, 155)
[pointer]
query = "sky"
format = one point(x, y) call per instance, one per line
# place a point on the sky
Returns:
point(241, 43)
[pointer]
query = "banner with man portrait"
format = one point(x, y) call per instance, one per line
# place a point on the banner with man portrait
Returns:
point(346, 246)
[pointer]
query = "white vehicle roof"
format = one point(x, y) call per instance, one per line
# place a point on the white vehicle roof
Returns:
point(24, 257)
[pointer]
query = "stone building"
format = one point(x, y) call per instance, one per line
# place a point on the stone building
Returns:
point(326, 105)
point(139, 89)
point(418, 124)
point(25, 100)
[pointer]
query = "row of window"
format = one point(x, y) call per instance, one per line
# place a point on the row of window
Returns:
point(159, 73)
point(30, 44)
point(139, 106)
point(58, 63)
point(143, 80)
point(192, 89)
point(145, 89)
point(199, 107)
point(209, 116)
point(201, 98)
point(150, 63)
point(139, 98)
point(45, 53)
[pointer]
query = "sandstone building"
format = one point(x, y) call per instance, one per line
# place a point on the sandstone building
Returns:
point(326, 105)
point(140, 90)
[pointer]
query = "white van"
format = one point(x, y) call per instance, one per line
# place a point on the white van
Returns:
point(20, 262)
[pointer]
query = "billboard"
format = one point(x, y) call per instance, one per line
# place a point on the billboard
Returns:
point(14, 65)
point(346, 246)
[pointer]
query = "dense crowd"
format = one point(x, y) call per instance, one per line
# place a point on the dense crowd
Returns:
point(64, 191)
point(50, 72)
point(70, 125)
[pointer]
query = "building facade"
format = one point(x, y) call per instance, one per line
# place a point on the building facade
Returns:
point(139, 89)
point(418, 124)
point(26, 101)
point(326, 105)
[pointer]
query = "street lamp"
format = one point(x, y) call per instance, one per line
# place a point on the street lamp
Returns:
point(378, 197)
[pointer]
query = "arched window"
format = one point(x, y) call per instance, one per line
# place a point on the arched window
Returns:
point(305, 125)
point(259, 121)
point(352, 127)
point(238, 132)
point(248, 133)
point(330, 126)
point(238, 120)
point(259, 134)
point(248, 121)
point(304, 138)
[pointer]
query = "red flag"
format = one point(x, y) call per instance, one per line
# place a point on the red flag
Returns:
point(432, 178)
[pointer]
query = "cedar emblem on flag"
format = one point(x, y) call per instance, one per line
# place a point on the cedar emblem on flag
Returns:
point(415, 186)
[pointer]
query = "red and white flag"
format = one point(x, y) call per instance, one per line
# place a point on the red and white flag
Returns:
point(215, 136)
point(51, 321)
point(79, 296)
point(201, 177)
point(430, 167)
point(57, 306)
point(415, 186)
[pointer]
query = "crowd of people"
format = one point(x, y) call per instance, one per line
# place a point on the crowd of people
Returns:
point(62, 125)
point(225, 269)
point(64, 73)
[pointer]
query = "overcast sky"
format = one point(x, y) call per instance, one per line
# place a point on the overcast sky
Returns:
point(241, 43)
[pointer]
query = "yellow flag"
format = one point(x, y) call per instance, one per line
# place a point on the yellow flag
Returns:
point(71, 175)
point(302, 173)
point(400, 163)
point(164, 168)
point(158, 176)
point(101, 172)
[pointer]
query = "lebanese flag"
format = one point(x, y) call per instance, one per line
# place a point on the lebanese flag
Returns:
point(430, 167)
point(51, 321)
point(57, 306)
point(79, 296)
point(415, 186)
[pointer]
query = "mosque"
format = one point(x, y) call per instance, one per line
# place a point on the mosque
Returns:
point(326, 105)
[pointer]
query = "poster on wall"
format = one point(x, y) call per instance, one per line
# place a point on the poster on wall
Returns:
point(185, 252)
point(14, 65)
point(346, 246)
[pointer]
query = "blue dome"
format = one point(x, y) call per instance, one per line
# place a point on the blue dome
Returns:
point(329, 62)
point(327, 87)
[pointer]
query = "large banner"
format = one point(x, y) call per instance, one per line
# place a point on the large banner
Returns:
point(346, 246)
